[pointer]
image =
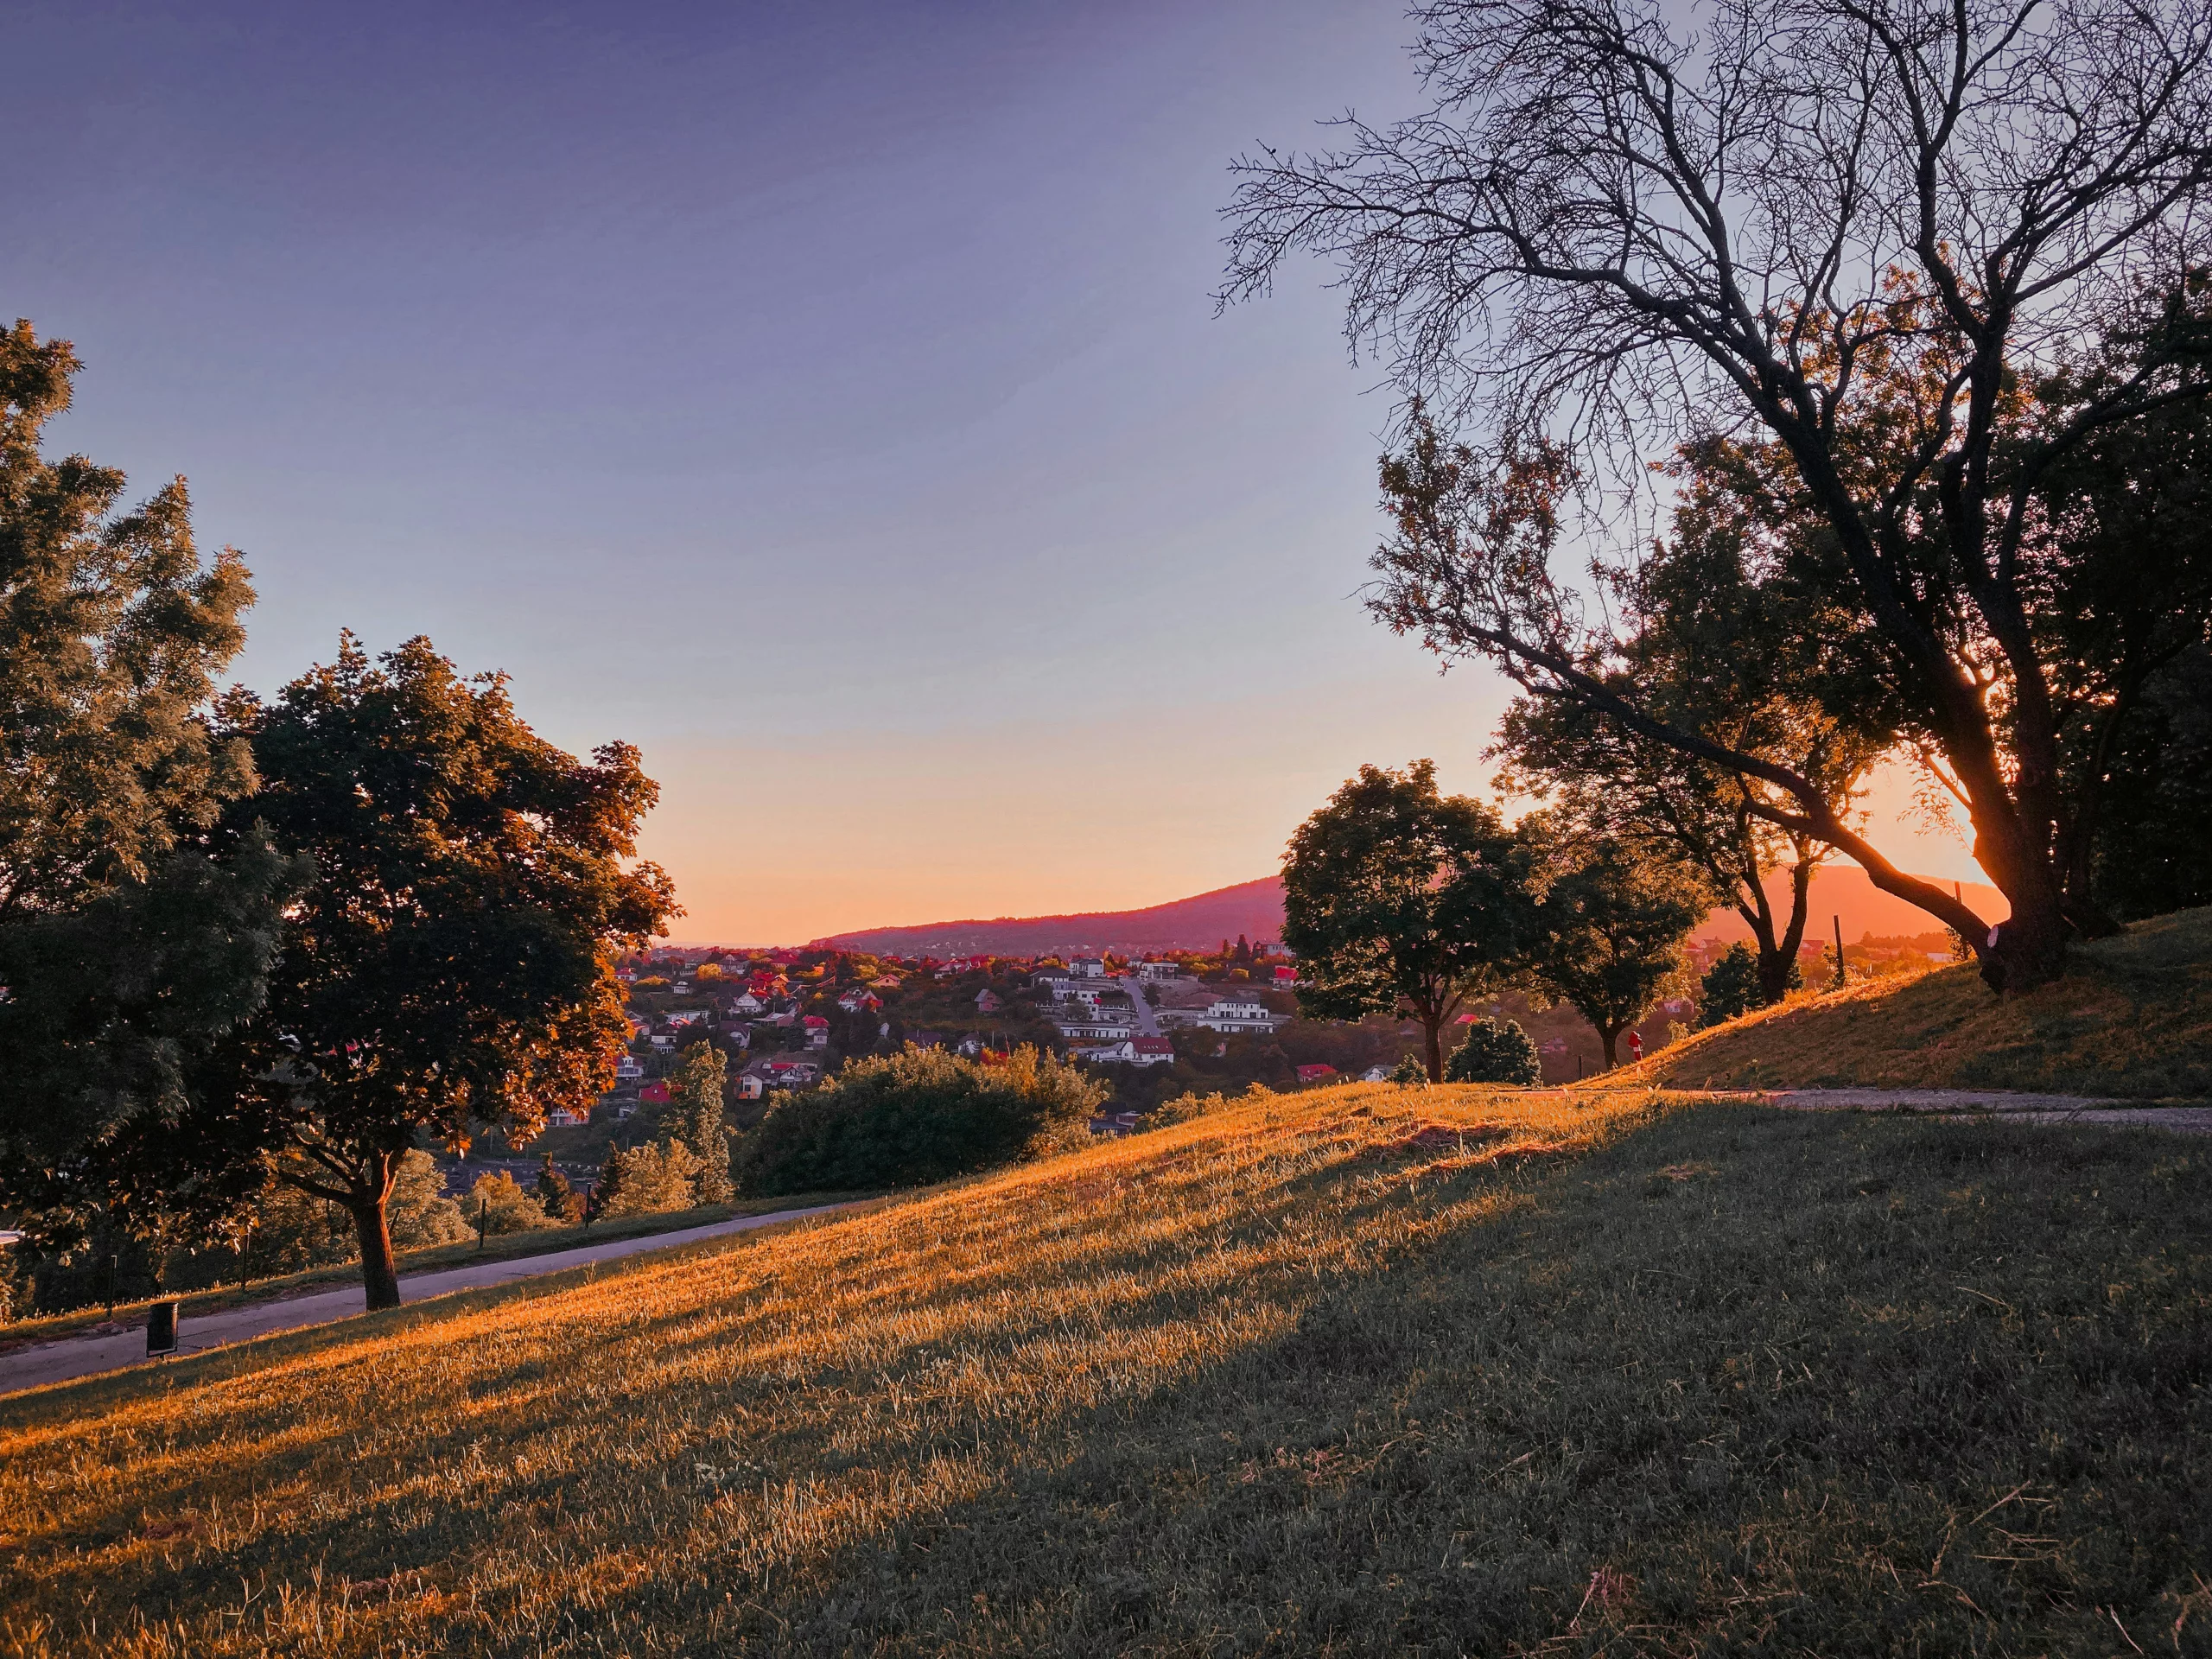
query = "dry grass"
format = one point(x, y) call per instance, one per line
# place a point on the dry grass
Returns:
point(2133, 1018)
point(1362, 1370)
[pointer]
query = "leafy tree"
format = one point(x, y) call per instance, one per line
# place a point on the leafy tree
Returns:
point(498, 1205)
point(1495, 1050)
point(916, 1116)
point(1870, 239)
point(418, 1215)
point(613, 1177)
point(1614, 916)
point(452, 964)
point(694, 1117)
point(1408, 1072)
point(654, 1180)
point(1396, 898)
point(128, 943)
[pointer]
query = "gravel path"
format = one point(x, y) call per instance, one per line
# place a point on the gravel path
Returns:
point(91, 1352)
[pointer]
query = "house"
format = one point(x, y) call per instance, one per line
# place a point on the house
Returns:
point(745, 1005)
point(1151, 1051)
point(1375, 1074)
point(1087, 968)
point(1317, 1073)
point(560, 1118)
point(889, 982)
point(626, 1070)
point(1232, 1013)
point(682, 988)
point(1119, 1054)
point(689, 1016)
point(663, 1040)
point(1116, 1124)
point(1286, 979)
point(817, 1031)
point(925, 1038)
point(1158, 970)
point(987, 1001)
point(654, 1093)
point(1104, 1025)
point(853, 1001)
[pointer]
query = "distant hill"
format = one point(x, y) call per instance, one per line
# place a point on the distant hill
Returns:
point(1251, 908)
point(1254, 910)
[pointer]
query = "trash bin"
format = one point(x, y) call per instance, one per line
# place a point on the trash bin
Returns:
point(160, 1328)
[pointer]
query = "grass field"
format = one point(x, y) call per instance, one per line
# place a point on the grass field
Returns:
point(2133, 1018)
point(1367, 1369)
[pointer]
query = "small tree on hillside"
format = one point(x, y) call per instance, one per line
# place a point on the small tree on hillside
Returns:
point(1730, 988)
point(1396, 898)
point(555, 1194)
point(1614, 919)
point(694, 1117)
point(1497, 1051)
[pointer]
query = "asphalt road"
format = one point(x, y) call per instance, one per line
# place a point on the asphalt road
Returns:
point(92, 1352)
point(1148, 1022)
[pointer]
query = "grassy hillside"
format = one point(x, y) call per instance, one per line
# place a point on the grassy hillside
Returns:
point(1422, 1371)
point(2133, 1018)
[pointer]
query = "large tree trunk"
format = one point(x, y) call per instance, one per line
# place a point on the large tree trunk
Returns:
point(1433, 1046)
point(2028, 948)
point(379, 1272)
point(1610, 1036)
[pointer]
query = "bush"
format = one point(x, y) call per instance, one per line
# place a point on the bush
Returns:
point(1409, 1071)
point(916, 1116)
point(1188, 1106)
point(1497, 1051)
point(419, 1213)
point(648, 1180)
point(1730, 988)
point(504, 1206)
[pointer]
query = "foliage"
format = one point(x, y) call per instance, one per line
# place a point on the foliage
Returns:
point(1495, 1050)
point(694, 1117)
point(452, 964)
point(916, 1116)
point(1614, 917)
point(1395, 897)
point(1730, 988)
point(1871, 241)
point(419, 1214)
point(127, 944)
point(648, 1181)
point(499, 1203)
point(554, 1195)
point(1409, 1072)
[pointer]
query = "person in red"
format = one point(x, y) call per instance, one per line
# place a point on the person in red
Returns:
point(1635, 1048)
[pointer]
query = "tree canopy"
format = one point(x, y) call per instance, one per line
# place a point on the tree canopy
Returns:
point(452, 966)
point(1925, 254)
point(1398, 899)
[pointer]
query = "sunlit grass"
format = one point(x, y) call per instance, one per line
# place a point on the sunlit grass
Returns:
point(2132, 1018)
point(1369, 1368)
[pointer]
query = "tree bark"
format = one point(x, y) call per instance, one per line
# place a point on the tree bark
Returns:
point(1610, 1036)
point(379, 1272)
point(1433, 1045)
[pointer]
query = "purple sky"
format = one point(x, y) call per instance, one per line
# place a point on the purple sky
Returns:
point(827, 399)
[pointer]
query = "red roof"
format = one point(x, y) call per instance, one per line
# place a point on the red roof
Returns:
point(1153, 1046)
point(653, 1091)
point(1315, 1073)
point(814, 1020)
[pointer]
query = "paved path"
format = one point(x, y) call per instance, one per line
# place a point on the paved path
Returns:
point(1148, 1022)
point(2014, 1107)
point(86, 1355)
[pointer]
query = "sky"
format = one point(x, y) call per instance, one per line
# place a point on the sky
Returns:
point(828, 400)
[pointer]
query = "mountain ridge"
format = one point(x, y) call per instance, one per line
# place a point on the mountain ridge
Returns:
point(1254, 910)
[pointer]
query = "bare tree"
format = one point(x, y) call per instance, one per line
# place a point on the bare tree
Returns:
point(1849, 227)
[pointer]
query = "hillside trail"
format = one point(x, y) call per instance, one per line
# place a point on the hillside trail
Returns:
point(2087, 1109)
point(89, 1353)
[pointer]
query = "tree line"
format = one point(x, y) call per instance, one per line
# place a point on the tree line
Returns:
point(1788, 385)
point(250, 943)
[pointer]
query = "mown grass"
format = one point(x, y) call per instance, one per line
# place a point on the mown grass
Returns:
point(2133, 1018)
point(498, 1247)
point(1367, 1369)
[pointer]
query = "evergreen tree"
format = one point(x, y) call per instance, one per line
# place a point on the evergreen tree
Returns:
point(1409, 1072)
point(1730, 988)
point(1497, 1051)
point(613, 1174)
point(554, 1193)
point(694, 1118)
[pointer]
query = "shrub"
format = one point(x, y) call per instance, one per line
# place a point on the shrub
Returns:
point(1409, 1071)
point(916, 1116)
point(1185, 1107)
point(419, 1214)
point(1730, 988)
point(651, 1180)
point(1497, 1051)
point(502, 1205)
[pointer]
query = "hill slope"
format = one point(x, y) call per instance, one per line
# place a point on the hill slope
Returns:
point(2133, 1018)
point(1251, 908)
point(1365, 1370)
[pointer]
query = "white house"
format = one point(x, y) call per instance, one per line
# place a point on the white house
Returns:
point(626, 1070)
point(1155, 971)
point(1102, 1027)
point(1087, 968)
point(1230, 1014)
point(744, 1005)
